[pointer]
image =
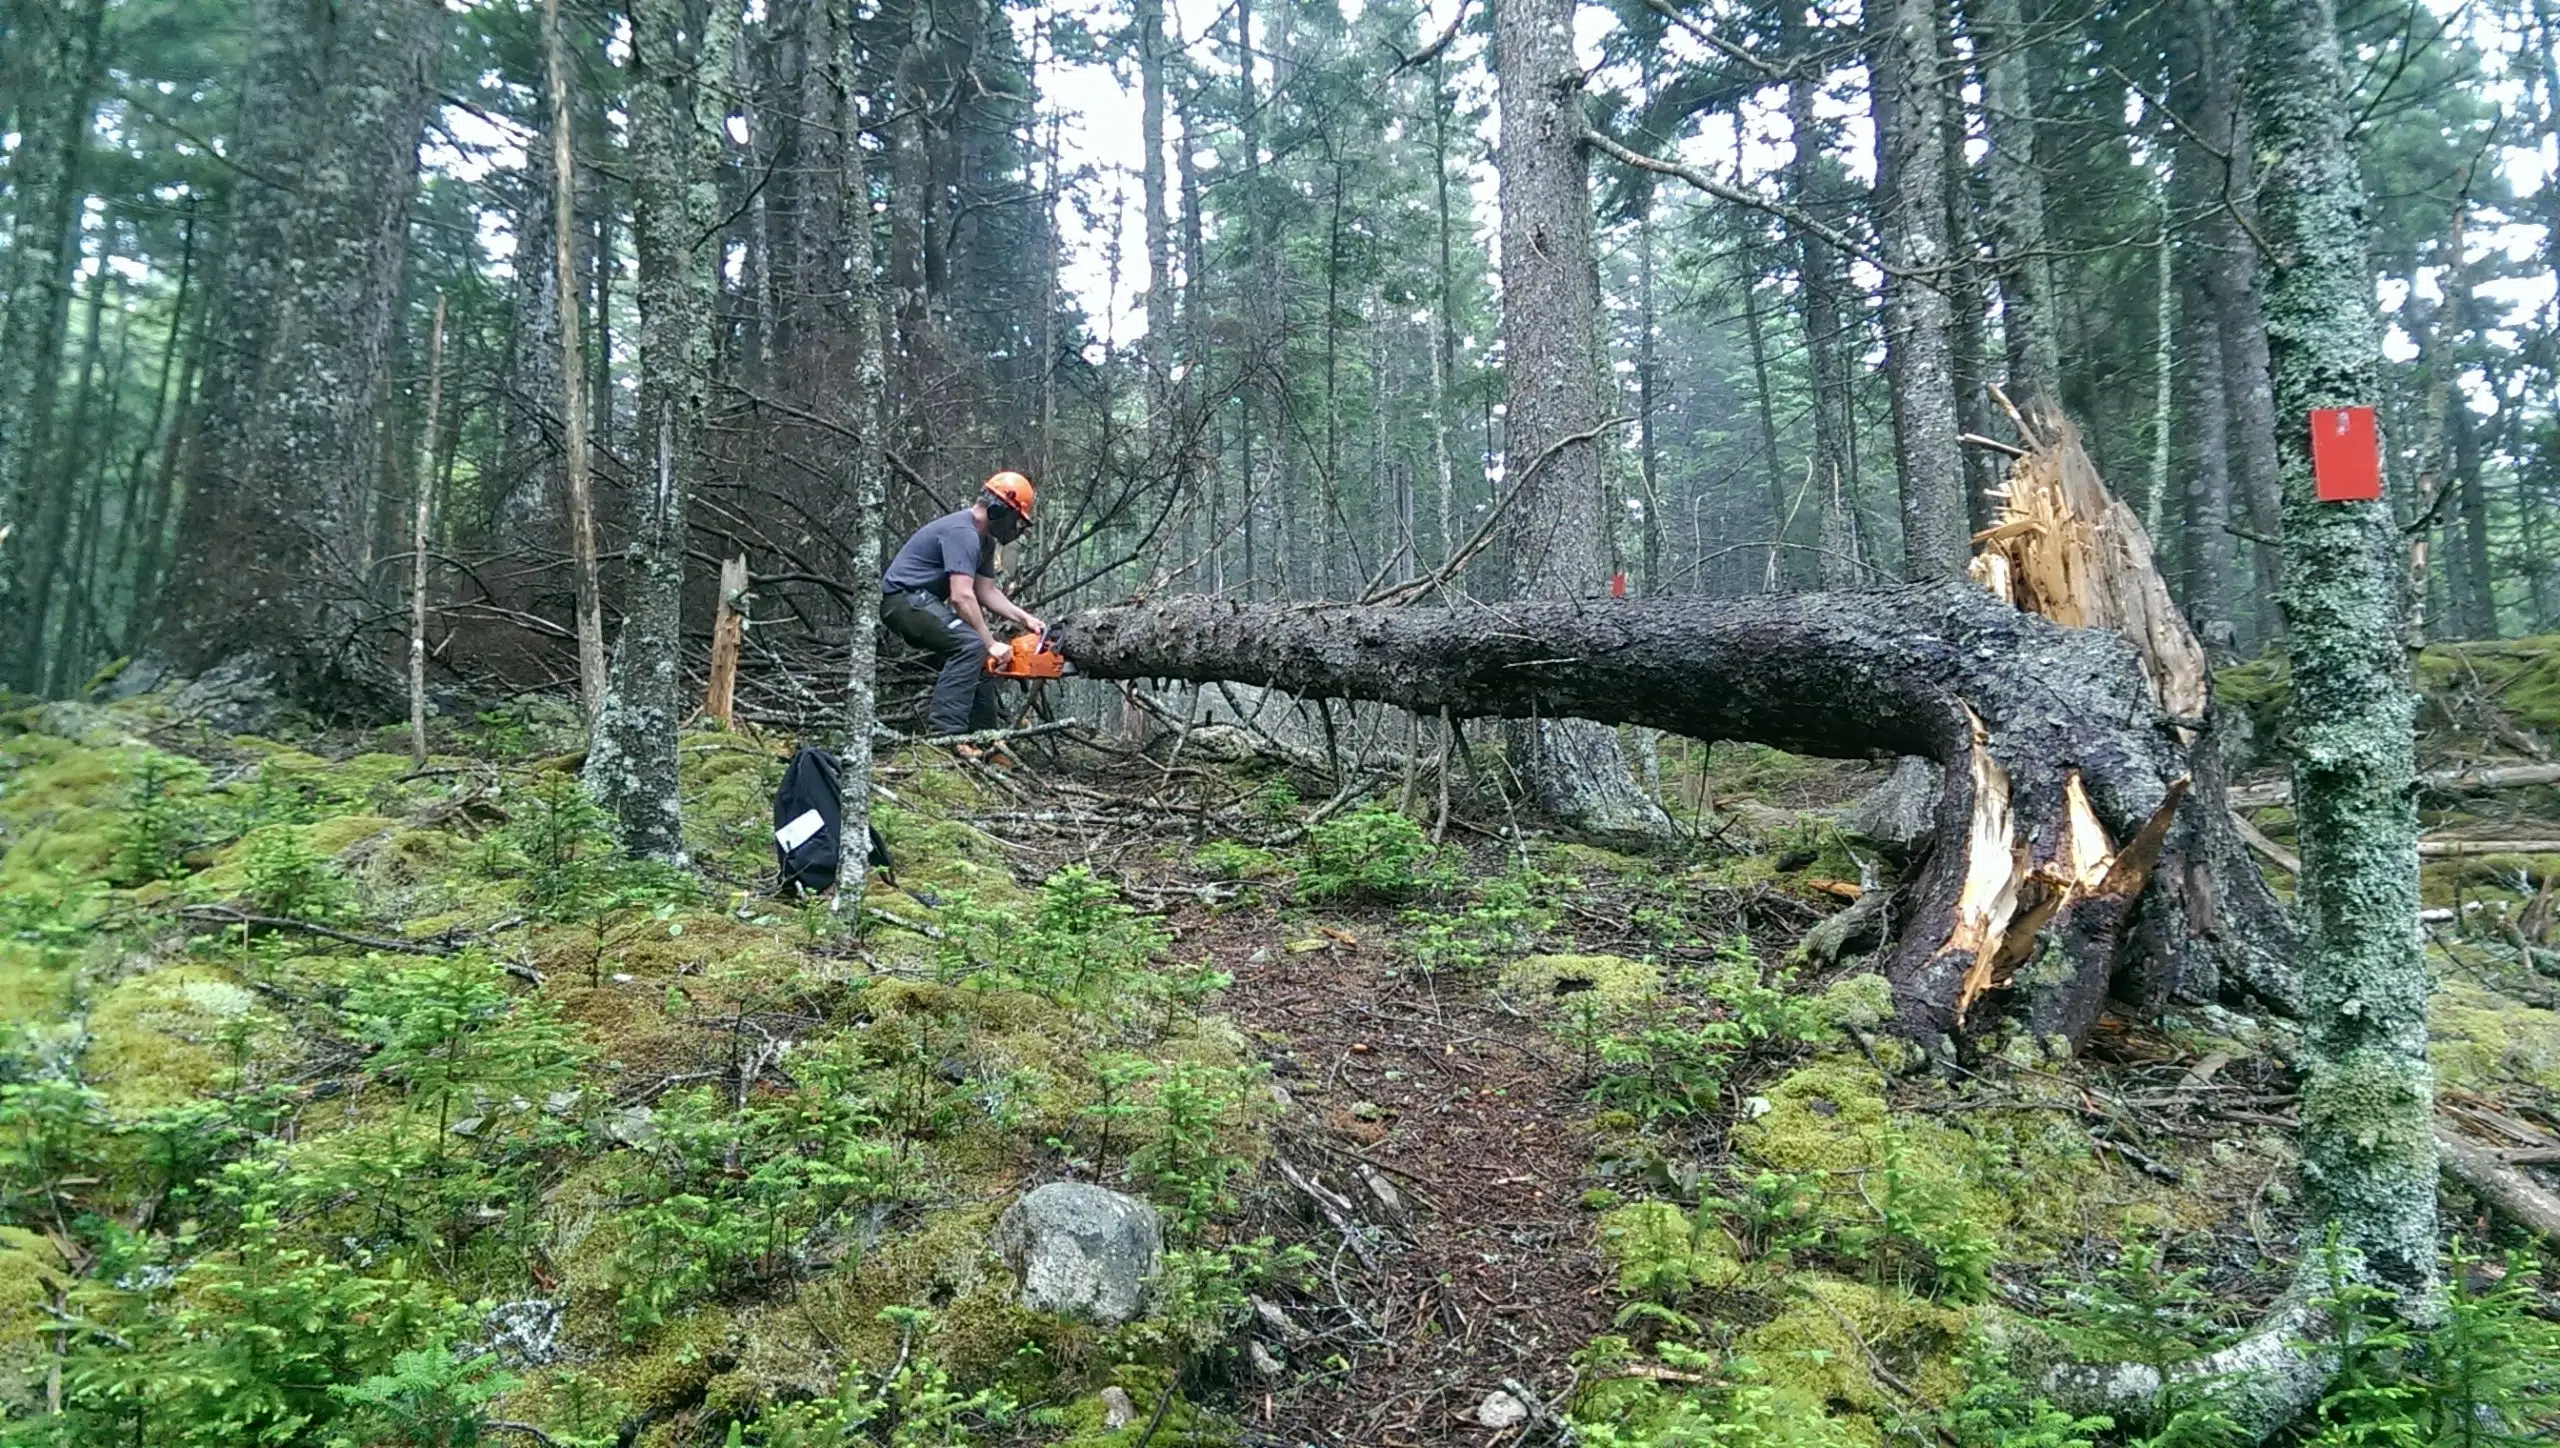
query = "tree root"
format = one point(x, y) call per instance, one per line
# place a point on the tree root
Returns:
point(2266, 1381)
point(2278, 1372)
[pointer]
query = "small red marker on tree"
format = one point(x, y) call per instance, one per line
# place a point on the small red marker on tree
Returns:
point(1617, 585)
point(2346, 457)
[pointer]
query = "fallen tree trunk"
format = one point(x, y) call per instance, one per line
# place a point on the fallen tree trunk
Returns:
point(2468, 779)
point(2500, 1183)
point(2081, 848)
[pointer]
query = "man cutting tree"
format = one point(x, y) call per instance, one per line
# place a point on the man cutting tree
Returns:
point(939, 592)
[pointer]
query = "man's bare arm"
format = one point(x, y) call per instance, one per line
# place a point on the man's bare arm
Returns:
point(1002, 606)
point(964, 602)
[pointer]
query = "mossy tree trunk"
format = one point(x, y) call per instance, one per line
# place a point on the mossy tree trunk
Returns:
point(675, 145)
point(2059, 766)
point(274, 558)
point(1559, 527)
point(2368, 1145)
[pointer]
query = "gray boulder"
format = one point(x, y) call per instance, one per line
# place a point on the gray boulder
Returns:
point(1082, 1252)
point(240, 695)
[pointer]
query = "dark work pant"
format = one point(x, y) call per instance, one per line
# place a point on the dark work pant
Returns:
point(964, 696)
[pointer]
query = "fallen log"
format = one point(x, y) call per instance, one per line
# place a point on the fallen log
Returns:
point(2081, 846)
point(2468, 779)
point(2499, 1182)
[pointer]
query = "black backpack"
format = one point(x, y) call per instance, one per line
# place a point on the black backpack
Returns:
point(808, 825)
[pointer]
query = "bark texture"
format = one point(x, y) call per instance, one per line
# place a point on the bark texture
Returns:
point(2368, 1144)
point(2201, 408)
point(2020, 257)
point(866, 413)
point(56, 71)
point(274, 555)
point(569, 375)
point(2233, 284)
point(1910, 114)
point(675, 144)
point(1558, 528)
point(2023, 715)
point(1811, 186)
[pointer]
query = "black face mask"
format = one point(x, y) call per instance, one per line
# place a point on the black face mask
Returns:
point(1005, 524)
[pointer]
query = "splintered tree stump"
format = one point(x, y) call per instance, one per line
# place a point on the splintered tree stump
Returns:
point(2081, 847)
point(728, 637)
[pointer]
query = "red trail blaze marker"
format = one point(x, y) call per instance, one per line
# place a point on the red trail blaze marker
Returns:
point(2346, 458)
point(1617, 585)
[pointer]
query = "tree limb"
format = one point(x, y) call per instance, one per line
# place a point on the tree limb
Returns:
point(1828, 235)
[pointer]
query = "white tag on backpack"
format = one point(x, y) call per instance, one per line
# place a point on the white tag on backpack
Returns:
point(800, 831)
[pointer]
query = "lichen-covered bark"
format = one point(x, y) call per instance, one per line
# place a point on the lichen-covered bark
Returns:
point(2368, 1148)
point(675, 144)
point(1558, 529)
point(276, 552)
point(1910, 112)
point(1883, 674)
point(55, 70)
point(866, 410)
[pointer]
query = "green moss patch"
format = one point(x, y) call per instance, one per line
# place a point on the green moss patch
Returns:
point(1551, 981)
point(1661, 1251)
point(1817, 1353)
point(174, 1035)
point(2482, 1041)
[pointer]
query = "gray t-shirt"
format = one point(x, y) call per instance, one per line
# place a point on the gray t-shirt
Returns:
point(949, 544)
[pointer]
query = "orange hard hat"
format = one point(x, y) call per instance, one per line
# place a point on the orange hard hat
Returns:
point(1014, 491)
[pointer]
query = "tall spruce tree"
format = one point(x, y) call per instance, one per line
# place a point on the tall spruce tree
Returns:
point(676, 138)
point(1558, 530)
point(2368, 1096)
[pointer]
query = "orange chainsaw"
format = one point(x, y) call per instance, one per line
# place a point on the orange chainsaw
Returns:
point(1032, 657)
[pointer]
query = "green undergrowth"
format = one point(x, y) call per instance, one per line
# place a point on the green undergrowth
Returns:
point(1813, 1246)
point(2463, 686)
point(342, 1102)
point(1865, 1271)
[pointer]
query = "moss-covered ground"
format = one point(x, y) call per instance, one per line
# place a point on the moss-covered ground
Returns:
point(342, 1099)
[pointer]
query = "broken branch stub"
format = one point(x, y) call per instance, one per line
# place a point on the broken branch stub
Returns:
point(1940, 670)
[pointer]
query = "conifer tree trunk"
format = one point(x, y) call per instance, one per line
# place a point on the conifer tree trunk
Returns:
point(2020, 256)
point(2478, 596)
point(1968, 287)
point(1444, 340)
point(53, 539)
point(569, 371)
point(276, 535)
point(1149, 17)
point(2233, 285)
point(676, 143)
point(865, 411)
point(56, 71)
point(1559, 527)
point(2201, 410)
point(1910, 113)
point(2052, 745)
point(2368, 1147)
point(1820, 308)
point(1648, 449)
